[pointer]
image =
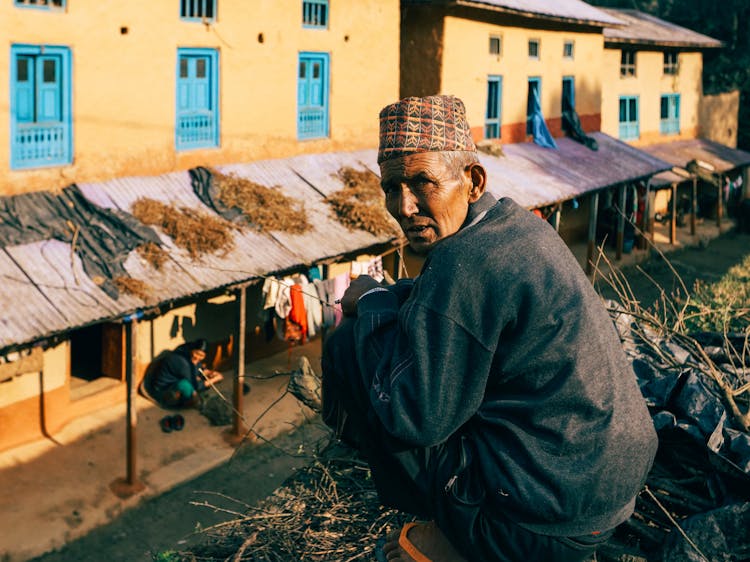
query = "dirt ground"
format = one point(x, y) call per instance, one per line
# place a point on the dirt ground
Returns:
point(170, 520)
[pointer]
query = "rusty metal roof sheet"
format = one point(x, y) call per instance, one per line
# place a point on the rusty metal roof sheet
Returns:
point(645, 29)
point(534, 176)
point(679, 153)
point(46, 291)
point(573, 11)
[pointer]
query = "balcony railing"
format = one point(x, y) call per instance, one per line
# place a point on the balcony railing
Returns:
point(196, 131)
point(39, 144)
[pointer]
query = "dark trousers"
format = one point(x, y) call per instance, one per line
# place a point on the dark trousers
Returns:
point(414, 479)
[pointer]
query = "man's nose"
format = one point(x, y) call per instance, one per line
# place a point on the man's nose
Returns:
point(408, 202)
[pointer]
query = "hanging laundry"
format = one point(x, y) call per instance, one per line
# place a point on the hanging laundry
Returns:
point(270, 292)
point(283, 300)
point(314, 273)
point(313, 308)
point(297, 315)
point(340, 285)
point(325, 288)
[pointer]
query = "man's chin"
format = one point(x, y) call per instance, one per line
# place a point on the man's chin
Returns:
point(421, 247)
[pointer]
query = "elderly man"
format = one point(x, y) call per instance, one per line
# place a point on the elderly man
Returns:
point(491, 394)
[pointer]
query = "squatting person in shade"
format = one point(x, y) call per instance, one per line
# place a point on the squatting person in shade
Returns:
point(490, 395)
point(179, 377)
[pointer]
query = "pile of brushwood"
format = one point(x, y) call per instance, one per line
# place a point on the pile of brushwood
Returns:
point(327, 511)
point(696, 502)
point(359, 205)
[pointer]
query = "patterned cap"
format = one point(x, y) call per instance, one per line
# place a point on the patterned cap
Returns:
point(429, 124)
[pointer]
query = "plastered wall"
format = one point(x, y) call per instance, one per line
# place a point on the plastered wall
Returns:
point(123, 81)
point(649, 84)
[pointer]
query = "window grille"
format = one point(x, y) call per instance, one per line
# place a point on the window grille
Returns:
point(492, 122)
point(315, 13)
point(534, 48)
point(627, 63)
point(198, 9)
point(41, 4)
point(671, 63)
point(495, 45)
point(568, 50)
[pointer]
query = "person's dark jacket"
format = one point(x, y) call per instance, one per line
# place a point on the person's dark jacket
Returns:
point(503, 348)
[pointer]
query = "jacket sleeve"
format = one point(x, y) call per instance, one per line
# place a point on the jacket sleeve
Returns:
point(425, 372)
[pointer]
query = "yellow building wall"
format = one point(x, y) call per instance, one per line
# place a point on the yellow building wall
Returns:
point(649, 84)
point(467, 64)
point(124, 58)
point(719, 117)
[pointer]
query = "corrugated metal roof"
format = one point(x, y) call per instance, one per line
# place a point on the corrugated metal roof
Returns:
point(679, 153)
point(574, 11)
point(645, 29)
point(46, 291)
point(534, 176)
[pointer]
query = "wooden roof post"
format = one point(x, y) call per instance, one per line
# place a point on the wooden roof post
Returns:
point(693, 204)
point(237, 433)
point(720, 202)
point(130, 485)
point(593, 213)
point(620, 221)
point(673, 215)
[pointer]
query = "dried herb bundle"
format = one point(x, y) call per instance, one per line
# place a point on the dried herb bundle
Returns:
point(198, 233)
point(266, 207)
point(134, 287)
point(153, 254)
point(360, 204)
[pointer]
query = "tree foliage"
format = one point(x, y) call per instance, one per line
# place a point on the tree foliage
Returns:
point(723, 69)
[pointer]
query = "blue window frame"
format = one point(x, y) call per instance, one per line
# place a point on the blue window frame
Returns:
point(41, 4)
point(315, 13)
point(40, 118)
point(312, 96)
point(533, 103)
point(493, 115)
point(568, 93)
point(629, 126)
point(669, 123)
point(198, 10)
point(197, 122)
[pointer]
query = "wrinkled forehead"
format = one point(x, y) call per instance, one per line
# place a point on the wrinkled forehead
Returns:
point(406, 167)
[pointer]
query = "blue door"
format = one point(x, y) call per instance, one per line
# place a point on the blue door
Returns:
point(197, 75)
point(40, 106)
point(312, 96)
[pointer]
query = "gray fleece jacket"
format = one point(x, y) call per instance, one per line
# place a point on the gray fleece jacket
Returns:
point(502, 347)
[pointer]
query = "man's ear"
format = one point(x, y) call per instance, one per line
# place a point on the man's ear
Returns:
point(478, 177)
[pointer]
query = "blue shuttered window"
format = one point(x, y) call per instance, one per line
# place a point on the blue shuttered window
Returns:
point(669, 123)
point(315, 13)
point(312, 96)
point(197, 99)
point(629, 126)
point(41, 4)
point(40, 106)
point(198, 10)
point(493, 115)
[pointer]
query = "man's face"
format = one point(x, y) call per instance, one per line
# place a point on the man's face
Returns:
point(427, 198)
point(197, 355)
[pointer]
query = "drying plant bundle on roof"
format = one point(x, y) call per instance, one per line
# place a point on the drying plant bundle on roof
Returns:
point(198, 233)
point(153, 254)
point(132, 286)
point(360, 203)
point(266, 207)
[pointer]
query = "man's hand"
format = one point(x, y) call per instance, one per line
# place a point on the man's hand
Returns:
point(212, 377)
point(357, 288)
